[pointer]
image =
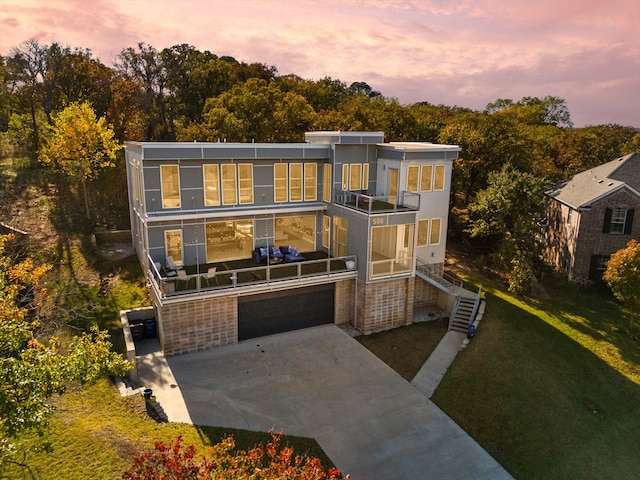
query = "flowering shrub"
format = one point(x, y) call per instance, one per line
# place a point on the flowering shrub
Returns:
point(223, 461)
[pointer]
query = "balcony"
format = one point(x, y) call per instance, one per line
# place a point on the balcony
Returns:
point(376, 204)
point(245, 276)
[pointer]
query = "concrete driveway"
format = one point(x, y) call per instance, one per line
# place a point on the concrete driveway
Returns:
point(320, 383)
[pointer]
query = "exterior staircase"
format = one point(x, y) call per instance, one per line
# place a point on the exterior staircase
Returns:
point(464, 311)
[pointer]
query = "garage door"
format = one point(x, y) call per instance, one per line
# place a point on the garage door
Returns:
point(278, 312)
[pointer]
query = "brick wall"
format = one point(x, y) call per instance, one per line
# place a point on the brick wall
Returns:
point(384, 305)
point(198, 325)
point(591, 241)
point(425, 294)
point(345, 295)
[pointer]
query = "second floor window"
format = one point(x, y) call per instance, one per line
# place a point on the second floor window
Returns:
point(170, 184)
point(618, 221)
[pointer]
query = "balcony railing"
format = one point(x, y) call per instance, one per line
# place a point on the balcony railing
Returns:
point(374, 204)
point(234, 275)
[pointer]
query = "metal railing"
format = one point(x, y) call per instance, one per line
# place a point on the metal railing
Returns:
point(175, 284)
point(374, 204)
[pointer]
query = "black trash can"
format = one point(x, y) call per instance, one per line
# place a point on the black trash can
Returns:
point(150, 330)
point(137, 331)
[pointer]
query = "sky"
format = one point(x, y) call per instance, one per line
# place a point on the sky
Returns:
point(467, 53)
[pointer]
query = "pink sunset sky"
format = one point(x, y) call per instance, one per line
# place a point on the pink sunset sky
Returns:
point(453, 52)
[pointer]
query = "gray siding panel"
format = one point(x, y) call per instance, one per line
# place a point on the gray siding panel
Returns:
point(175, 153)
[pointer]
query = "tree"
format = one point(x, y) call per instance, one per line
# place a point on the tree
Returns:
point(223, 461)
point(80, 145)
point(534, 111)
point(508, 210)
point(623, 277)
point(33, 370)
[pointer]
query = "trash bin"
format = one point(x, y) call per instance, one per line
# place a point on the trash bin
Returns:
point(471, 331)
point(137, 331)
point(150, 330)
point(147, 393)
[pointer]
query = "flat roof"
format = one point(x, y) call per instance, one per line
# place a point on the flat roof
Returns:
point(419, 146)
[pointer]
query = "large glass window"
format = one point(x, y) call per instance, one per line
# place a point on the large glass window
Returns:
point(340, 236)
point(391, 250)
point(280, 172)
point(298, 231)
point(327, 187)
point(438, 181)
point(326, 231)
point(413, 174)
point(425, 178)
point(170, 185)
point(345, 177)
point(231, 240)
point(173, 245)
point(229, 184)
point(365, 176)
point(245, 175)
point(310, 182)
point(295, 182)
point(423, 232)
point(355, 181)
point(434, 237)
point(211, 185)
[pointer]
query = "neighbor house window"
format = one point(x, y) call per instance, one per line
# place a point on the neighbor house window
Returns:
point(245, 176)
point(618, 220)
point(281, 182)
point(425, 178)
point(211, 185)
point(413, 172)
point(229, 184)
point(423, 232)
point(434, 236)
point(438, 181)
point(326, 183)
point(310, 181)
point(170, 184)
point(173, 245)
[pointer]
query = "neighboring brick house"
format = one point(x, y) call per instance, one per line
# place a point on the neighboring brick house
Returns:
point(591, 216)
point(367, 217)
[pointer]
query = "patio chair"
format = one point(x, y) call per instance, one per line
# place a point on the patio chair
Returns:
point(171, 265)
point(182, 277)
point(211, 273)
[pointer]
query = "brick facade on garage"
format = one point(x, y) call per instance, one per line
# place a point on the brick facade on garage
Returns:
point(345, 294)
point(198, 325)
point(384, 305)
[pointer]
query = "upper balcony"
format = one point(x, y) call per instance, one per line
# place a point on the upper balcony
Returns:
point(377, 204)
point(245, 276)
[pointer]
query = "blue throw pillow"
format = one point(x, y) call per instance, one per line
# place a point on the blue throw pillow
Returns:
point(293, 251)
point(264, 251)
point(275, 251)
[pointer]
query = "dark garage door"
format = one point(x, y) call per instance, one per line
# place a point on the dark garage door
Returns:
point(278, 312)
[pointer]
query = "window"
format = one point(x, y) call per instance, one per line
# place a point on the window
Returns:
point(326, 185)
point(345, 177)
point(425, 175)
point(365, 176)
point(245, 174)
point(211, 185)
point(391, 250)
point(310, 182)
point(434, 237)
point(438, 181)
point(229, 240)
point(618, 221)
point(295, 182)
point(326, 231)
point(297, 230)
point(170, 184)
point(355, 180)
point(340, 236)
point(281, 182)
point(423, 232)
point(598, 266)
point(229, 183)
point(413, 172)
point(173, 245)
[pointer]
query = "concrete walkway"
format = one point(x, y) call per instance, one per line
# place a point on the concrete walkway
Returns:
point(321, 383)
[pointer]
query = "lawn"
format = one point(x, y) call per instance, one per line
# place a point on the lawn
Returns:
point(551, 387)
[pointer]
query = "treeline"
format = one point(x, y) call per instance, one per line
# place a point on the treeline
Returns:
point(181, 93)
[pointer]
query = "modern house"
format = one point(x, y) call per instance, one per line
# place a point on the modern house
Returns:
point(591, 216)
point(240, 240)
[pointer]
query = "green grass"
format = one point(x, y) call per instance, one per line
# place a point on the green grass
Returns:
point(95, 433)
point(550, 388)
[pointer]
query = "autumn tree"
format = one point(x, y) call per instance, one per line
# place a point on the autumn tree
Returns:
point(32, 369)
point(623, 277)
point(80, 146)
point(223, 461)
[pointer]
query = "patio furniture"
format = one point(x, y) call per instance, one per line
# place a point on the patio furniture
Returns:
point(172, 268)
point(291, 254)
point(211, 273)
point(182, 277)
